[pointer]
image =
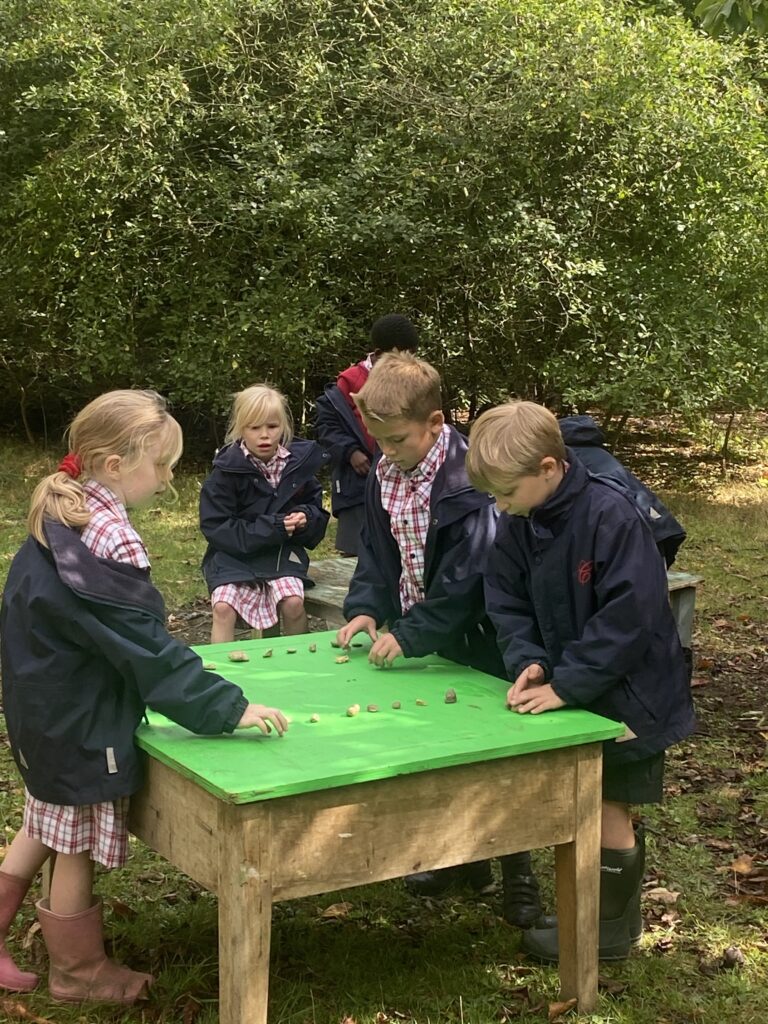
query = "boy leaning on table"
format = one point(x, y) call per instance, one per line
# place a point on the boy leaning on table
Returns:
point(577, 591)
point(425, 535)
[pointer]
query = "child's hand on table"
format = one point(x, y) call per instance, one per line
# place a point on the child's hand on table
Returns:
point(530, 694)
point(260, 716)
point(360, 624)
point(384, 651)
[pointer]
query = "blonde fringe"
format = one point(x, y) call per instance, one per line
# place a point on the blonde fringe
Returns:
point(57, 497)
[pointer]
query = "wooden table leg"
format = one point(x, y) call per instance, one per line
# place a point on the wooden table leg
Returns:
point(245, 915)
point(578, 886)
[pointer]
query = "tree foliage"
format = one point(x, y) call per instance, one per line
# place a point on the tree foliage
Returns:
point(196, 194)
point(735, 16)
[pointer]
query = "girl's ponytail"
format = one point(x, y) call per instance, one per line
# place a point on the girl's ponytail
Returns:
point(59, 497)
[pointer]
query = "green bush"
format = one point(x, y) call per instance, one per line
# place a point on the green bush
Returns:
point(198, 194)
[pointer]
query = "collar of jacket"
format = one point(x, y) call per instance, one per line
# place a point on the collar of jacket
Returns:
point(453, 497)
point(335, 398)
point(305, 455)
point(100, 579)
point(557, 507)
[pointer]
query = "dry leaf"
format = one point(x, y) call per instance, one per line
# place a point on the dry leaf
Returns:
point(699, 681)
point(665, 896)
point(743, 865)
point(17, 1011)
point(29, 938)
point(348, 1020)
point(337, 910)
point(611, 986)
point(120, 909)
point(558, 1009)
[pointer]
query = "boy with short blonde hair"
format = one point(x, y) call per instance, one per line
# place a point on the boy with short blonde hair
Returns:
point(577, 591)
point(425, 536)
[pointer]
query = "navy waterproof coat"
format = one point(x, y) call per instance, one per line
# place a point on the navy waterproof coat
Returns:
point(84, 649)
point(579, 588)
point(241, 516)
point(583, 436)
point(338, 431)
point(451, 619)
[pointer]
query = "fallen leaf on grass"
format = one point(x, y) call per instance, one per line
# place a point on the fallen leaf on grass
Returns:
point(29, 938)
point(699, 681)
point(120, 909)
point(611, 986)
point(17, 1011)
point(661, 895)
point(558, 1009)
point(191, 1010)
point(743, 865)
point(337, 910)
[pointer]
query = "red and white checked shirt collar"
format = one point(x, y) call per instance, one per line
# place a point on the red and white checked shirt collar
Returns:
point(406, 497)
point(273, 469)
point(109, 533)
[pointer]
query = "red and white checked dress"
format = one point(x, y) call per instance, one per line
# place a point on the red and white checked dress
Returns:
point(100, 828)
point(406, 497)
point(256, 603)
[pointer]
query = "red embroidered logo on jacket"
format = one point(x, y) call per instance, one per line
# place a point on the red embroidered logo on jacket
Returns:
point(584, 574)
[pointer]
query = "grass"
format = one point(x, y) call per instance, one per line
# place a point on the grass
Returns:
point(389, 958)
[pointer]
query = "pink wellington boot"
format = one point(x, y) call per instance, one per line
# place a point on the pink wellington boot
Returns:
point(13, 889)
point(80, 969)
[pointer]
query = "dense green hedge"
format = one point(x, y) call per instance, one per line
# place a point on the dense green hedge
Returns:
point(196, 194)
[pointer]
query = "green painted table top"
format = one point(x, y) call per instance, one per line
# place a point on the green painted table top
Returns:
point(338, 750)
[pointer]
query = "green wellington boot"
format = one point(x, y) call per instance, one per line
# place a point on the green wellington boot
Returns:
point(621, 877)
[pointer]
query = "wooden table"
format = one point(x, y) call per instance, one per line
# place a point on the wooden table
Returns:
point(332, 576)
point(352, 800)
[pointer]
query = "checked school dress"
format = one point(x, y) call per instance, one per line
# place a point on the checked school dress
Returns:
point(100, 828)
point(256, 603)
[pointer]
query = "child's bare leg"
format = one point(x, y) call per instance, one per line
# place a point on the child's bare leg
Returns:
point(293, 615)
point(72, 883)
point(617, 832)
point(25, 856)
point(224, 622)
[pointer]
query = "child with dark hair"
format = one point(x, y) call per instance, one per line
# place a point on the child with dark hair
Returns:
point(340, 429)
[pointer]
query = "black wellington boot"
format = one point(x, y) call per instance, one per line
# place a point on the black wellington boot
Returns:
point(522, 903)
point(636, 918)
point(621, 876)
point(477, 876)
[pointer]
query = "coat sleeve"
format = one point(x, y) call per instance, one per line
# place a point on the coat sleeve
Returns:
point(225, 530)
point(630, 588)
point(369, 592)
point(168, 676)
point(454, 601)
point(317, 517)
point(332, 433)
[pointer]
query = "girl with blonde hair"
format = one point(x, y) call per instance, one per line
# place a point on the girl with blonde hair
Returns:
point(84, 650)
point(261, 508)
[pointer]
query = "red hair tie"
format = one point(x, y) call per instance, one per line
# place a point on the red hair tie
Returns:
point(72, 465)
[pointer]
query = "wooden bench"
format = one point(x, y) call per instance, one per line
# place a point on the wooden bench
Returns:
point(332, 576)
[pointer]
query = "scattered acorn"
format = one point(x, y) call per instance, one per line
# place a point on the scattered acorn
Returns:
point(238, 656)
point(353, 710)
point(396, 705)
point(267, 653)
point(421, 703)
point(312, 648)
point(450, 696)
point(372, 707)
point(342, 659)
point(314, 718)
point(209, 666)
point(290, 650)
